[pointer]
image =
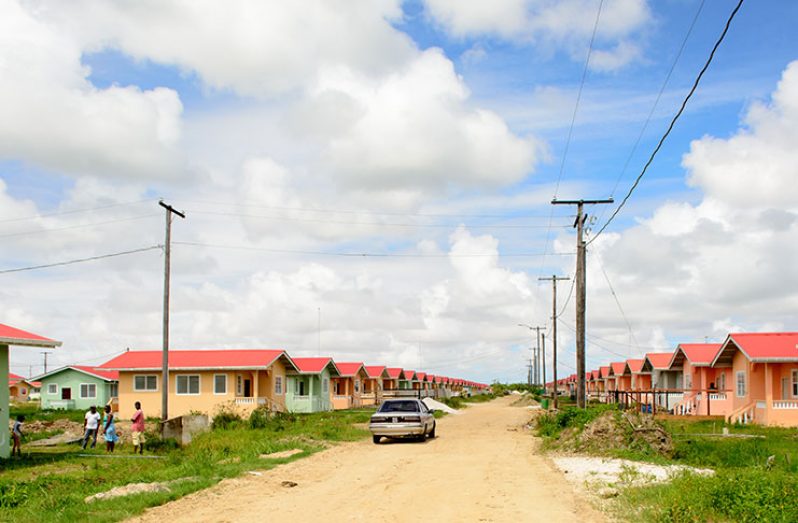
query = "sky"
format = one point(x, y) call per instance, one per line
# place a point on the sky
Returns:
point(371, 179)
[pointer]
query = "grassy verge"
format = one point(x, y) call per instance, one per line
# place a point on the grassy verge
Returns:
point(32, 412)
point(51, 484)
point(461, 402)
point(755, 480)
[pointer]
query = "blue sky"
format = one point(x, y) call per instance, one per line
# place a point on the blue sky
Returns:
point(281, 138)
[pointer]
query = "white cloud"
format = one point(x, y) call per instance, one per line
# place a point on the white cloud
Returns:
point(51, 116)
point(562, 23)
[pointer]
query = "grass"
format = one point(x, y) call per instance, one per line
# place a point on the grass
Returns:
point(51, 484)
point(755, 480)
point(461, 402)
point(32, 412)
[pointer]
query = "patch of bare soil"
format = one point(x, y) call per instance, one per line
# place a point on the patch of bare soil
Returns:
point(619, 430)
point(526, 400)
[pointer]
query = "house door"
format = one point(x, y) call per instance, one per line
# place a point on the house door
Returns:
point(66, 393)
point(247, 388)
point(785, 388)
point(301, 387)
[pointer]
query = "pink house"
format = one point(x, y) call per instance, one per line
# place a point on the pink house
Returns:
point(764, 377)
point(705, 385)
point(623, 377)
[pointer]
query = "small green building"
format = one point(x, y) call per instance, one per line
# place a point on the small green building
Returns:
point(308, 388)
point(78, 387)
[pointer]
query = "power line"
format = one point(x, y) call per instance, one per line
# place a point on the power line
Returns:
point(673, 121)
point(75, 211)
point(618, 302)
point(358, 254)
point(371, 224)
point(81, 260)
point(80, 226)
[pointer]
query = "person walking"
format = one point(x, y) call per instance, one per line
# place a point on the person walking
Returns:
point(91, 424)
point(16, 434)
point(109, 430)
point(137, 429)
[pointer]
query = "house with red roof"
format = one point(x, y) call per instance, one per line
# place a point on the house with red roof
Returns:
point(764, 377)
point(372, 386)
point(308, 385)
point(202, 380)
point(620, 376)
point(347, 387)
point(704, 385)
point(391, 383)
point(79, 387)
point(12, 336)
point(20, 388)
point(641, 380)
point(667, 381)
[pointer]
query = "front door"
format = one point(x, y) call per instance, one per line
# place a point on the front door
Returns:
point(66, 393)
point(785, 388)
point(247, 388)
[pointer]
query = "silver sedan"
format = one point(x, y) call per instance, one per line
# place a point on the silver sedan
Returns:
point(402, 418)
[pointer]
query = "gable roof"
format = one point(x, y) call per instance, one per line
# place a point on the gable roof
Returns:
point(604, 371)
point(594, 374)
point(395, 373)
point(12, 336)
point(760, 347)
point(376, 371)
point(657, 361)
point(410, 375)
point(103, 374)
point(348, 369)
point(198, 359)
point(618, 368)
point(422, 376)
point(13, 378)
point(315, 365)
point(635, 365)
point(698, 354)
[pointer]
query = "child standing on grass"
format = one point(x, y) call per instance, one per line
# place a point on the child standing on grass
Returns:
point(137, 429)
point(109, 430)
point(91, 425)
point(16, 433)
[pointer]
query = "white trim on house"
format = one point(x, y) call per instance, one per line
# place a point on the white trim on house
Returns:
point(86, 396)
point(49, 388)
point(278, 385)
point(188, 384)
point(215, 393)
point(740, 384)
point(146, 389)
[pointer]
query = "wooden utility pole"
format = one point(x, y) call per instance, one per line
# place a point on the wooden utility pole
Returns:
point(554, 279)
point(580, 282)
point(167, 257)
point(543, 358)
point(536, 354)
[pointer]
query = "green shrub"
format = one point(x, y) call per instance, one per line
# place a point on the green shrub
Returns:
point(13, 494)
point(226, 418)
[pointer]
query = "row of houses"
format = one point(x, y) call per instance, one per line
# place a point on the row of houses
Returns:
point(207, 380)
point(749, 378)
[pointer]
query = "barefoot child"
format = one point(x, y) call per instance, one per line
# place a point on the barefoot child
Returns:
point(16, 433)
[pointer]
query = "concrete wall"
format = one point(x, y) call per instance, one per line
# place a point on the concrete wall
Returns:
point(5, 449)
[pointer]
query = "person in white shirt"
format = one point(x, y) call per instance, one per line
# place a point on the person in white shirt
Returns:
point(91, 423)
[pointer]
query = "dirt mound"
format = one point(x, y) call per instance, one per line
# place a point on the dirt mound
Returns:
point(526, 400)
point(620, 431)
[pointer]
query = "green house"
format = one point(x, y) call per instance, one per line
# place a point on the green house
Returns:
point(78, 387)
point(308, 388)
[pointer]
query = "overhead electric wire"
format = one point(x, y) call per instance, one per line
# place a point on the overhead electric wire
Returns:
point(77, 226)
point(673, 121)
point(81, 260)
point(75, 211)
point(618, 303)
point(358, 254)
point(370, 224)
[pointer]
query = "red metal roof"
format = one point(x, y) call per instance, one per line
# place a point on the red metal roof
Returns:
point(13, 336)
point(421, 376)
point(197, 359)
point(313, 365)
point(618, 367)
point(13, 378)
point(763, 347)
point(635, 365)
point(698, 354)
point(660, 360)
point(349, 368)
point(374, 371)
point(410, 374)
point(100, 373)
point(394, 372)
point(604, 371)
point(594, 374)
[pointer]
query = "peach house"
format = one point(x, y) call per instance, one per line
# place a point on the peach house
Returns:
point(623, 376)
point(641, 380)
point(764, 377)
point(202, 380)
point(348, 385)
point(391, 383)
point(19, 388)
point(705, 385)
point(372, 387)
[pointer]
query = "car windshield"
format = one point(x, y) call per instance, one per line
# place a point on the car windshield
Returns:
point(399, 406)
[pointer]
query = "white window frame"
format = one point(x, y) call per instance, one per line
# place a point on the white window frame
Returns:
point(357, 385)
point(794, 375)
point(325, 385)
point(145, 389)
point(688, 380)
point(111, 387)
point(278, 385)
point(737, 376)
point(50, 388)
point(216, 392)
point(188, 384)
point(720, 381)
point(87, 397)
point(239, 385)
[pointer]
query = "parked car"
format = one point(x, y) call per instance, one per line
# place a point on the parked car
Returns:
point(402, 418)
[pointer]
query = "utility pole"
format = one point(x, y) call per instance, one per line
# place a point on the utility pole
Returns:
point(581, 283)
point(167, 265)
point(543, 357)
point(536, 352)
point(45, 362)
point(554, 279)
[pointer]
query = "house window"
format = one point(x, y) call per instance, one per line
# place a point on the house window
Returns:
point(88, 390)
point(357, 385)
point(721, 382)
point(688, 381)
point(741, 392)
point(145, 383)
point(23, 391)
point(52, 388)
point(220, 383)
point(239, 385)
point(113, 389)
point(278, 384)
point(325, 385)
point(188, 384)
point(795, 383)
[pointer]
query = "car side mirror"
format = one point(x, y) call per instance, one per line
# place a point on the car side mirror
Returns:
point(431, 411)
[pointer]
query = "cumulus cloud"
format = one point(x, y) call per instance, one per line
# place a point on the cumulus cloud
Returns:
point(51, 116)
point(254, 48)
point(566, 24)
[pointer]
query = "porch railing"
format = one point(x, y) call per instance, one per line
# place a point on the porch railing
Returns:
point(743, 415)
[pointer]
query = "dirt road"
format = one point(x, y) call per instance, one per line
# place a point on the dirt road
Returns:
point(482, 467)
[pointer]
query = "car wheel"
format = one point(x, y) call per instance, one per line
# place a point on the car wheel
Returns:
point(376, 439)
point(432, 432)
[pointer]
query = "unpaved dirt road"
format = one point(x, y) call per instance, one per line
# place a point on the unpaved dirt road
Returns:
point(482, 467)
